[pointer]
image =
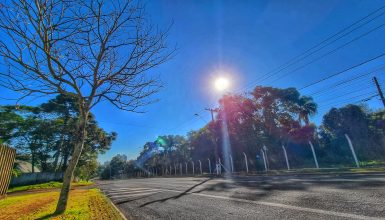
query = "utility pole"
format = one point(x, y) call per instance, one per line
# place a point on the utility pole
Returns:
point(379, 90)
point(216, 152)
point(212, 110)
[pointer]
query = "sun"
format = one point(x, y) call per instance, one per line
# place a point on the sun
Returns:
point(221, 83)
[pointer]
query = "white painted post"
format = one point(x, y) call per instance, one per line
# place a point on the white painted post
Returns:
point(314, 155)
point(352, 149)
point(209, 165)
point(192, 162)
point(267, 159)
point(186, 167)
point(231, 163)
point(287, 160)
point(247, 166)
point(264, 160)
point(200, 166)
point(219, 167)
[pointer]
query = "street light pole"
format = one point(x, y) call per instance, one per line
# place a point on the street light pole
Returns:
point(216, 152)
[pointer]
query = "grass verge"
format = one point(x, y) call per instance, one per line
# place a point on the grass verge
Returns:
point(49, 185)
point(82, 204)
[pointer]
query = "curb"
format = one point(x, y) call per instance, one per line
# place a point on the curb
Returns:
point(113, 205)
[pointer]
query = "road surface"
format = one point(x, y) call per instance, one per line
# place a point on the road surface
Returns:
point(255, 197)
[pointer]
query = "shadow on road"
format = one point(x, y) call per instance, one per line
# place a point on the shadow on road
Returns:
point(177, 196)
point(131, 200)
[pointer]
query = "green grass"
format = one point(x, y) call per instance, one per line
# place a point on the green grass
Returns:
point(49, 185)
point(82, 204)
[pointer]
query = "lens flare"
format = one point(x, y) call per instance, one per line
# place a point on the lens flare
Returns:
point(221, 84)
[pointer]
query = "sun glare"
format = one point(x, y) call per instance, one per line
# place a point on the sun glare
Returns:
point(221, 84)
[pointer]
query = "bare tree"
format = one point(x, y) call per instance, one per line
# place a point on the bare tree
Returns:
point(96, 50)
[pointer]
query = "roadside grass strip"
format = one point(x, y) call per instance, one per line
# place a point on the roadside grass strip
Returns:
point(82, 204)
point(49, 185)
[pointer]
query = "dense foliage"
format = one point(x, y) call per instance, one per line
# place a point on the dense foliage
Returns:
point(44, 135)
point(273, 118)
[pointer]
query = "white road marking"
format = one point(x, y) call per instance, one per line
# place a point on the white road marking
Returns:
point(279, 205)
point(132, 195)
point(120, 189)
point(130, 191)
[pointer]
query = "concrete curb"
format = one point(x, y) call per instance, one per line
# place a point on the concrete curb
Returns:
point(113, 205)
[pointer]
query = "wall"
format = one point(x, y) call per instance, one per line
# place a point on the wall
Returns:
point(35, 178)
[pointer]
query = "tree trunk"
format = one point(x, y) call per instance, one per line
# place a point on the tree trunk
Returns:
point(33, 161)
point(68, 174)
point(56, 161)
point(60, 147)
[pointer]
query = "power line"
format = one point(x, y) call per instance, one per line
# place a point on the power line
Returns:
point(343, 71)
point(334, 50)
point(349, 101)
point(328, 53)
point(345, 81)
point(322, 42)
point(330, 101)
point(340, 87)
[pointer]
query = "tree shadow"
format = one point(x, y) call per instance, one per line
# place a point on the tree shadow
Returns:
point(177, 196)
point(260, 187)
point(131, 200)
point(47, 216)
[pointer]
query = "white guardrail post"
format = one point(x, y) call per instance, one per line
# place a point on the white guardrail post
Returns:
point(186, 167)
point(200, 166)
point(287, 160)
point(247, 166)
point(352, 149)
point(231, 163)
point(209, 165)
point(193, 169)
point(264, 159)
point(314, 155)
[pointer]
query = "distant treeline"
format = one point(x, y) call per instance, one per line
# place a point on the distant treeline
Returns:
point(274, 117)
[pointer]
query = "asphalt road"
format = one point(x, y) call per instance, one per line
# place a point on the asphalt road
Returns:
point(255, 197)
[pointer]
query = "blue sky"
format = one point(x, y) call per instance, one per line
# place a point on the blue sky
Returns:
point(244, 40)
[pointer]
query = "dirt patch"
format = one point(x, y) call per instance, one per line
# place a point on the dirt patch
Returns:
point(32, 205)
